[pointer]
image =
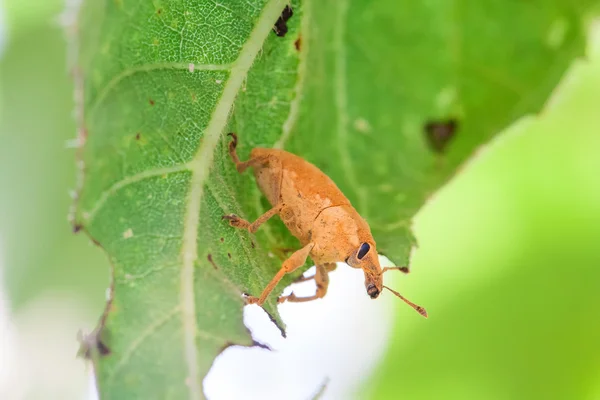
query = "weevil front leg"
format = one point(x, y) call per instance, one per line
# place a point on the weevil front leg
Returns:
point(294, 262)
point(241, 166)
point(252, 227)
point(321, 278)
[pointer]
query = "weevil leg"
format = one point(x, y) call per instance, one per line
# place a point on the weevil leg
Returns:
point(328, 267)
point(404, 270)
point(294, 262)
point(240, 223)
point(241, 166)
point(304, 279)
point(321, 278)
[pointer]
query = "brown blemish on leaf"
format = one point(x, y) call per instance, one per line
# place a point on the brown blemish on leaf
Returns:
point(99, 338)
point(91, 345)
point(137, 136)
point(151, 102)
point(440, 133)
point(210, 260)
point(222, 240)
point(280, 27)
point(229, 255)
point(298, 43)
point(252, 244)
point(159, 11)
point(77, 228)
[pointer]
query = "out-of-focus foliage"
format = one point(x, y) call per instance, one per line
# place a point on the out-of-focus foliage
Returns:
point(37, 170)
point(508, 267)
point(55, 280)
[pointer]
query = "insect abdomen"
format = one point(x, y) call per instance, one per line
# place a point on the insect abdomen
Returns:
point(303, 189)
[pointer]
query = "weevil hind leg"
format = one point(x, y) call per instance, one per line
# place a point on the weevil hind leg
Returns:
point(252, 227)
point(328, 267)
point(294, 262)
point(321, 278)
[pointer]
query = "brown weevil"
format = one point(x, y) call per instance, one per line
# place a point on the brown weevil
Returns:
point(316, 212)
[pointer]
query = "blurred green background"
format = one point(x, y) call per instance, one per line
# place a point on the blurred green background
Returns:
point(508, 262)
point(55, 281)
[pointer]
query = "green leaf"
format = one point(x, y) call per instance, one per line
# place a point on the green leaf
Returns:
point(350, 87)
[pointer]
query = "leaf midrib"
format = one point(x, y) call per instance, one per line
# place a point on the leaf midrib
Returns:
point(200, 166)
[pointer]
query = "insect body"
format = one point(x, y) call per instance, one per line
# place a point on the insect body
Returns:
point(315, 211)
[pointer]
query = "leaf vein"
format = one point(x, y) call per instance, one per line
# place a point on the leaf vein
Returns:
point(152, 67)
point(145, 334)
point(200, 166)
point(89, 216)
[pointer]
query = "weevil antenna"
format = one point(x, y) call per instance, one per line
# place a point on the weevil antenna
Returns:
point(417, 308)
point(401, 269)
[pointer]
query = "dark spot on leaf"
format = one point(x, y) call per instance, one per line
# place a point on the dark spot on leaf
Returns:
point(222, 240)
point(210, 260)
point(229, 255)
point(92, 344)
point(77, 228)
point(439, 133)
point(252, 244)
point(102, 348)
point(151, 102)
point(159, 11)
point(137, 136)
point(280, 27)
point(298, 43)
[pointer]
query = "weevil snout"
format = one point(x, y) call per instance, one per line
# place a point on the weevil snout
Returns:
point(365, 257)
point(372, 291)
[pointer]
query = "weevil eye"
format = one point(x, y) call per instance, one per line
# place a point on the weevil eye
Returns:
point(372, 291)
point(364, 249)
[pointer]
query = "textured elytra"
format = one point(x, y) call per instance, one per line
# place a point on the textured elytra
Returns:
point(164, 81)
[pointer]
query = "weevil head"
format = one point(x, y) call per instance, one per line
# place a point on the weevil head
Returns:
point(365, 258)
